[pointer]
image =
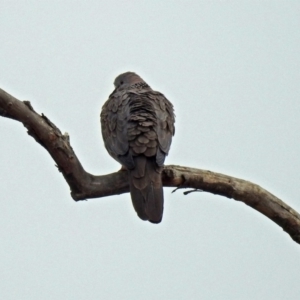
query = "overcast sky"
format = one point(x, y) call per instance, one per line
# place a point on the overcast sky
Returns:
point(231, 69)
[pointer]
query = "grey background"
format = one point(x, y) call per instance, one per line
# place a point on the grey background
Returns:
point(231, 70)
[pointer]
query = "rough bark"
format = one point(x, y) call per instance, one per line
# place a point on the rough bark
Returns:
point(84, 185)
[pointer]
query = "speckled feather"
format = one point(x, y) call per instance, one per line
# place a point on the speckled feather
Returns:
point(137, 128)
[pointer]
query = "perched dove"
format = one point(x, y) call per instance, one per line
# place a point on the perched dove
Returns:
point(137, 128)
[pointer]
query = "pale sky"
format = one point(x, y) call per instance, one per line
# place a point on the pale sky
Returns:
point(231, 69)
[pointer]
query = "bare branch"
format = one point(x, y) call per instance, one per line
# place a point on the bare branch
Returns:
point(84, 185)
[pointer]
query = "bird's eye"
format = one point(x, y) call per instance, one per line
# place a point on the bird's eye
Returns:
point(121, 82)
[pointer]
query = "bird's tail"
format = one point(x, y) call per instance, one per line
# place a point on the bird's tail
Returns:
point(146, 189)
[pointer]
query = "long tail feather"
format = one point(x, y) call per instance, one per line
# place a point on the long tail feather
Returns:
point(146, 189)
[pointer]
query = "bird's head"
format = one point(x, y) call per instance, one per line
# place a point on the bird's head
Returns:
point(127, 79)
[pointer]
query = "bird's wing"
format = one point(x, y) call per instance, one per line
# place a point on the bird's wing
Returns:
point(114, 124)
point(165, 128)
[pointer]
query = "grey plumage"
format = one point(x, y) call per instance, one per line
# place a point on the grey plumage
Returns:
point(137, 127)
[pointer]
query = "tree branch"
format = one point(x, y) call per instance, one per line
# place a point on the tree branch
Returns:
point(84, 185)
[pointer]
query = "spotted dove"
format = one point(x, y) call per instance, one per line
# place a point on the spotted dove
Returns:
point(137, 127)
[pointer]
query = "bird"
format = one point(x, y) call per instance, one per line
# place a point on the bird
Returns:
point(137, 125)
